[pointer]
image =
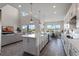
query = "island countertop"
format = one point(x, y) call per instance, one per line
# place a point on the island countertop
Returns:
point(29, 35)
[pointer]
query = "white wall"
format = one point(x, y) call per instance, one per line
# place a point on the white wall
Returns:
point(9, 16)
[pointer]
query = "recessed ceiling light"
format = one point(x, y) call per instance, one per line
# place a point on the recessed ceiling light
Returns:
point(54, 12)
point(78, 8)
point(20, 6)
point(54, 6)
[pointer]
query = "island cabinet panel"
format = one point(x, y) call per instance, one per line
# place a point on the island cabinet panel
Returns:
point(29, 45)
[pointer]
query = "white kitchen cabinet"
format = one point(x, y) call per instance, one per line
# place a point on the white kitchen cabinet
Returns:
point(71, 13)
point(43, 41)
point(10, 38)
point(30, 45)
point(40, 44)
point(66, 47)
point(73, 51)
point(70, 48)
point(77, 25)
point(62, 39)
point(78, 10)
point(73, 10)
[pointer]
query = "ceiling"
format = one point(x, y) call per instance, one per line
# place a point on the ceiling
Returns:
point(47, 12)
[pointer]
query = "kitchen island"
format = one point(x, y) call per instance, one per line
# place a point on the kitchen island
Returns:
point(32, 44)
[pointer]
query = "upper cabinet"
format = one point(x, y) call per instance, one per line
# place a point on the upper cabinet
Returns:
point(73, 11)
point(77, 10)
point(77, 25)
point(71, 17)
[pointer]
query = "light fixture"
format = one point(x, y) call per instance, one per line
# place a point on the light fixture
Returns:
point(78, 8)
point(31, 21)
point(39, 17)
point(54, 6)
point(54, 12)
point(19, 5)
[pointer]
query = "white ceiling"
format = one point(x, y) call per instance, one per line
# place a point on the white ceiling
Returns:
point(46, 10)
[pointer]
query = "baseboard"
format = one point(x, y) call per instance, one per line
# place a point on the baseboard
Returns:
point(44, 47)
point(27, 54)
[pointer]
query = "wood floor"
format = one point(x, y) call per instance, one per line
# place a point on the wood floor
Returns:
point(53, 48)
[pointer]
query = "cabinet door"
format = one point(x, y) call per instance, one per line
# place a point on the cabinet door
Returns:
point(40, 42)
point(65, 46)
point(74, 52)
point(77, 25)
point(29, 45)
point(74, 9)
point(68, 47)
point(78, 10)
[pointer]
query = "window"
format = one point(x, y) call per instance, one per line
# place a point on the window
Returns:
point(53, 27)
point(24, 27)
point(49, 26)
point(28, 28)
point(57, 27)
point(31, 27)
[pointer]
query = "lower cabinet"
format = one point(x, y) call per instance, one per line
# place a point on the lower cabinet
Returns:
point(30, 46)
point(70, 50)
point(66, 47)
point(73, 51)
point(43, 41)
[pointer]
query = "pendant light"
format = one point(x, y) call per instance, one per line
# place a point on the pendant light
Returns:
point(39, 17)
point(31, 21)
